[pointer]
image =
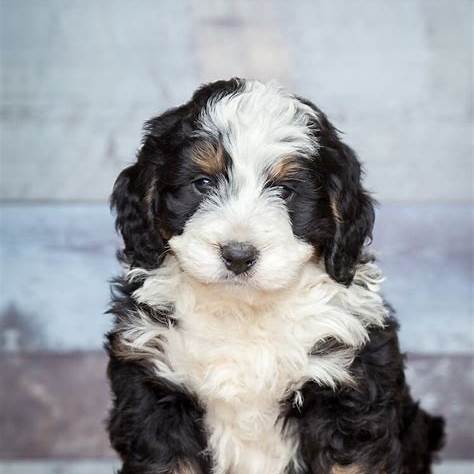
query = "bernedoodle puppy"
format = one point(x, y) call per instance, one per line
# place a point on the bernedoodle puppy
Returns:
point(250, 334)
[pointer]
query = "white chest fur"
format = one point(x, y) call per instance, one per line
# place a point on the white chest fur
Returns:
point(242, 353)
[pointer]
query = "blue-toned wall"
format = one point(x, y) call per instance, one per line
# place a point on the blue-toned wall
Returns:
point(80, 77)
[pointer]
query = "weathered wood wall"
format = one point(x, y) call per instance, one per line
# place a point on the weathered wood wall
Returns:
point(78, 80)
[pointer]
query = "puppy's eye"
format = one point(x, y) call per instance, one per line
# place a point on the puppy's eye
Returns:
point(286, 193)
point(202, 185)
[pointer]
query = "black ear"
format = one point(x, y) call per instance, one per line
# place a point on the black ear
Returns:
point(133, 200)
point(352, 211)
point(136, 193)
point(351, 207)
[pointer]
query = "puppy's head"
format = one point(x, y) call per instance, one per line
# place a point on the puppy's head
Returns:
point(244, 184)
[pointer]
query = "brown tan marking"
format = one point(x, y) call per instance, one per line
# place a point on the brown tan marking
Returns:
point(285, 168)
point(352, 469)
point(335, 212)
point(208, 157)
point(187, 468)
point(148, 200)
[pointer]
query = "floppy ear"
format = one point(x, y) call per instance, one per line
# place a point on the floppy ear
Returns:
point(135, 196)
point(352, 212)
point(133, 199)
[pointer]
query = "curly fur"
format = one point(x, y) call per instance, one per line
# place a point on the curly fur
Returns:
point(292, 366)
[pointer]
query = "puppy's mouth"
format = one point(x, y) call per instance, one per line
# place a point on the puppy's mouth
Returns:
point(242, 279)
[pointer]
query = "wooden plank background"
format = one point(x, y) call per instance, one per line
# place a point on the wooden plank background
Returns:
point(78, 80)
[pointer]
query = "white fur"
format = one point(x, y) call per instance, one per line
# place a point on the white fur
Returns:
point(251, 217)
point(258, 126)
point(242, 350)
point(244, 343)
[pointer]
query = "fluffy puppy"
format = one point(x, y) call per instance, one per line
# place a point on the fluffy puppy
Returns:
point(250, 336)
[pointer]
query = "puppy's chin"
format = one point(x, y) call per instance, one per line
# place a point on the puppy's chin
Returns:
point(240, 290)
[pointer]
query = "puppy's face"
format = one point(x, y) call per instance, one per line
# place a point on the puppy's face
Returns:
point(244, 184)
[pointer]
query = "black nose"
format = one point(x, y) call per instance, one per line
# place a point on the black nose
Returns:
point(239, 256)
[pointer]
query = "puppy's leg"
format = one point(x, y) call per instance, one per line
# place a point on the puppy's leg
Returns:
point(155, 426)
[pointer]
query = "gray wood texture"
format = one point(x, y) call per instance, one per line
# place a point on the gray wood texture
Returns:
point(57, 261)
point(56, 404)
point(80, 77)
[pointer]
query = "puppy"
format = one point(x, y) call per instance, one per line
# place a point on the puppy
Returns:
point(250, 335)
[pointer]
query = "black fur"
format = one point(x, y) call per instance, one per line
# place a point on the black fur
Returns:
point(152, 198)
point(163, 172)
point(337, 171)
point(375, 424)
point(156, 426)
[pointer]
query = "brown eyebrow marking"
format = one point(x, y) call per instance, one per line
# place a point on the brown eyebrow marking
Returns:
point(285, 168)
point(209, 157)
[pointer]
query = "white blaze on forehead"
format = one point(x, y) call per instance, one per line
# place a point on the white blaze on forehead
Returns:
point(259, 124)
